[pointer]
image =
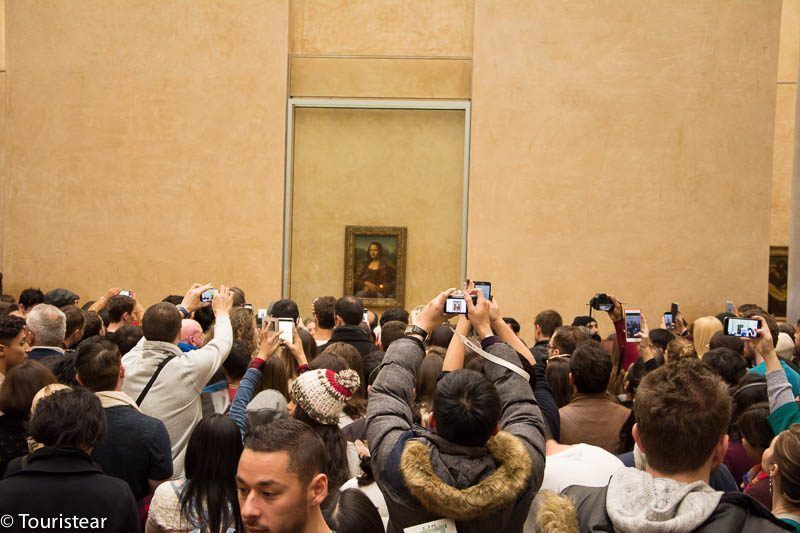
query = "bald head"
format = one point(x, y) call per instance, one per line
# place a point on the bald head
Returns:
point(192, 332)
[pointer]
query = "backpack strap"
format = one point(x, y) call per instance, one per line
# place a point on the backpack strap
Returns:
point(146, 389)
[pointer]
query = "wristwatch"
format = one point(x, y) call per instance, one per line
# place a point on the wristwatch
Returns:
point(416, 330)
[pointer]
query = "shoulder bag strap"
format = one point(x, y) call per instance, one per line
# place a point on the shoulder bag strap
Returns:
point(146, 389)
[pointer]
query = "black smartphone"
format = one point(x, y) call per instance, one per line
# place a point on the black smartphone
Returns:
point(746, 328)
point(486, 287)
point(674, 310)
point(668, 320)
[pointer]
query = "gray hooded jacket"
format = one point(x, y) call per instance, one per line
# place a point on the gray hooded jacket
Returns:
point(635, 501)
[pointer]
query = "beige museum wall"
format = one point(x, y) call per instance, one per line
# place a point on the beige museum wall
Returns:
point(131, 124)
point(609, 139)
point(614, 160)
point(3, 139)
point(783, 155)
point(410, 28)
point(376, 168)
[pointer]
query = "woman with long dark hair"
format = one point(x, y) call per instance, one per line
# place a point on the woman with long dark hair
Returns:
point(16, 396)
point(206, 499)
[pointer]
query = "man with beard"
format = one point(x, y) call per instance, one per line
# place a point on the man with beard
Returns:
point(281, 481)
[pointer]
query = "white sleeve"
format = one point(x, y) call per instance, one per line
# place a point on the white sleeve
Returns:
point(210, 357)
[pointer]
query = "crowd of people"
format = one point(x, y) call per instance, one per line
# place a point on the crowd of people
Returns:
point(193, 414)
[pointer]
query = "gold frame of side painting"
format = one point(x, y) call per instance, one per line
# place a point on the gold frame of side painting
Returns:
point(778, 281)
point(375, 265)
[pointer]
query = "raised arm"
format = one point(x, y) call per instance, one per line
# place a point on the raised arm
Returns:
point(506, 334)
point(389, 408)
point(779, 390)
point(252, 378)
point(210, 357)
point(454, 358)
point(101, 302)
point(521, 415)
point(628, 351)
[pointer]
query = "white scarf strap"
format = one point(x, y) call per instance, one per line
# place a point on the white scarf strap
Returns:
point(493, 358)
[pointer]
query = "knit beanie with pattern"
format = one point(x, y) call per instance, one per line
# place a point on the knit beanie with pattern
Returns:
point(322, 393)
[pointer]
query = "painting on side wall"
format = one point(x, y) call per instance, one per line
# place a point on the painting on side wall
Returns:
point(778, 281)
point(375, 265)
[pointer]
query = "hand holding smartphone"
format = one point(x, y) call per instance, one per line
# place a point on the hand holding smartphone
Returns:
point(486, 287)
point(285, 327)
point(633, 324)
point(261, 316)
point(745, 328)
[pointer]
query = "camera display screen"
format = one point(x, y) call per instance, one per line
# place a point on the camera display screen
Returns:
point(126, 293)
point(633, 325)
point(668, 320)
point(741, 327)
point(208, 295)
point(455, 306)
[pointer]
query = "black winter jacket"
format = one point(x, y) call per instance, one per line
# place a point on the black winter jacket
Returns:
point(355, 337)
point(58, 487)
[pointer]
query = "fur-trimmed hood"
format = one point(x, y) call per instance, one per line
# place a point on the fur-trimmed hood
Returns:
point(496, 491)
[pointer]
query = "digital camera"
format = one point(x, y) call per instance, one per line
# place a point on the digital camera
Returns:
point(602, 302)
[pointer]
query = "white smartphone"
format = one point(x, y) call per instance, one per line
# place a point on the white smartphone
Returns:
point(285, 326)
point(366, 316)
point(633, 324)
point(261, 316)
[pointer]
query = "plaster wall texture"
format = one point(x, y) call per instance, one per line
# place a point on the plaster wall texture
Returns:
point(788, 57)
point(145, 145)
point(625, 158)
point(411, 28)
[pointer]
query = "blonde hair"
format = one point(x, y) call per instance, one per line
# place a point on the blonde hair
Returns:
point(555, 513)
point(44, 392)
point(679, 348)
point(243, 324)
point(704, 329)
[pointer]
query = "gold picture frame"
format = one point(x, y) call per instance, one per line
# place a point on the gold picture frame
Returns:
point(778, 281)
point(375, 265)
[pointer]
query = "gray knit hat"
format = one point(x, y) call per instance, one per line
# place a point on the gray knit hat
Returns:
point(267, 406)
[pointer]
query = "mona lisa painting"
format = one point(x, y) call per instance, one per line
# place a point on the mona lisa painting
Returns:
point(375, 265)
